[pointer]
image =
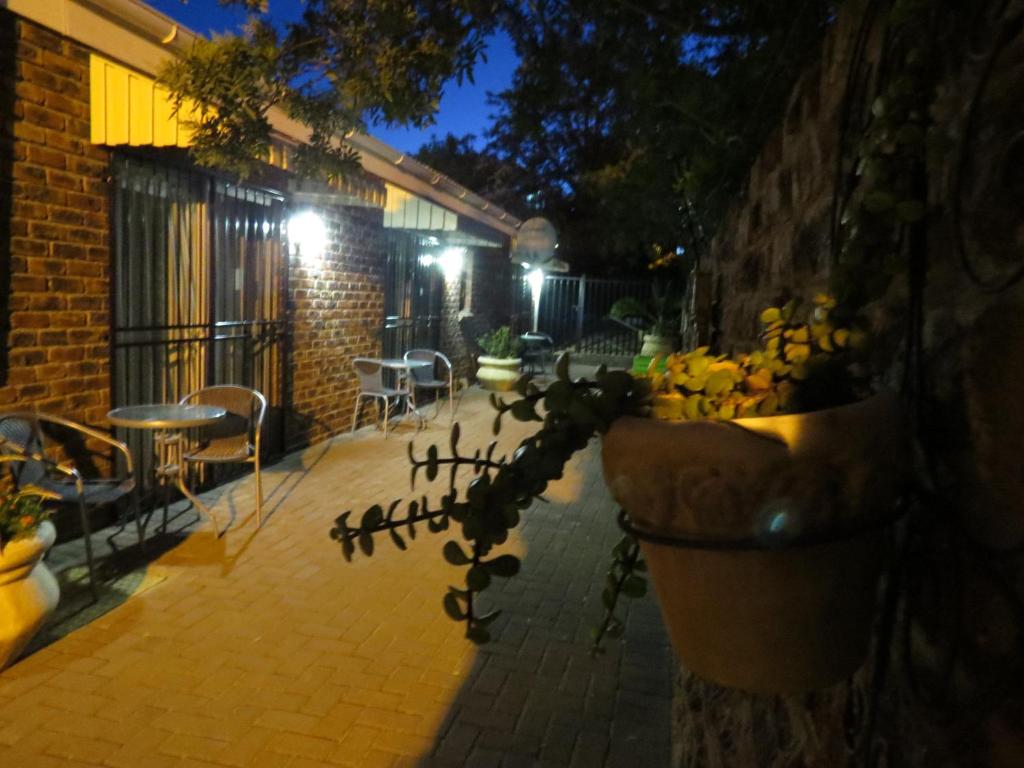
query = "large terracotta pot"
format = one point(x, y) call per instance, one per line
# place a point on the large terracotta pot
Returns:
point(498, 374)
point(764, 536)
point(28, 591)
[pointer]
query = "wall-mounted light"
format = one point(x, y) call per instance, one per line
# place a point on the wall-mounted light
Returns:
point(307, 234)
point(451, 260)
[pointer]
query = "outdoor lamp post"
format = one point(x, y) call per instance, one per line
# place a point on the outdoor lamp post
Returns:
point(536, 280)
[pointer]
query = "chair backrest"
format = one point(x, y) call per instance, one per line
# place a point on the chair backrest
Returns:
point(371, 375)
point(440, 365)
point(20, 434)
point(246, 408)
point(27, 452)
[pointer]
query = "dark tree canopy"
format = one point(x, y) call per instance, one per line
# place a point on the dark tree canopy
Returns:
point(630, 113)
point(630, 123)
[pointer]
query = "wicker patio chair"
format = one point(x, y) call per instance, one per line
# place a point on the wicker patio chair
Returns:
point(437, 377)
point(235, 439)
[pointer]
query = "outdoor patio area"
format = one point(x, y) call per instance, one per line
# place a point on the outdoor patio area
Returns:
point(265, 648)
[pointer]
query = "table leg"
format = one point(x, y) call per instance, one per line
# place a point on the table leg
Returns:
point(171, 468)
point(181, 476)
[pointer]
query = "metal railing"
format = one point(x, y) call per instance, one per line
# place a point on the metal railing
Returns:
point(574, 312)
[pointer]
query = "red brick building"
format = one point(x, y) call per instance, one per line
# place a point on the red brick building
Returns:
point(130, 275)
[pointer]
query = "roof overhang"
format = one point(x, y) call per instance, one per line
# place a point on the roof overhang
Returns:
point(141, 38)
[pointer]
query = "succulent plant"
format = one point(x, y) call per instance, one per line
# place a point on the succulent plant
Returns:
point(500, 343)
point(695, 385)
point(699, 385)
point(21, 513)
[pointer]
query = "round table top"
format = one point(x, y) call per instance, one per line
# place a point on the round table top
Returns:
point(165, 416)
point(397, 362)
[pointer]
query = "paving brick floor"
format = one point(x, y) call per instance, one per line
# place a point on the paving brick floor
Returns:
point(264, 648)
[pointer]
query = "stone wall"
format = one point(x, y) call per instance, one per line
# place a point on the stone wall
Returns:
point(336, 310)
point(54, 229)
point(952, 693)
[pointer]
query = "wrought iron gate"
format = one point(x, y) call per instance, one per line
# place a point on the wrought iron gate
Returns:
point(574, 312)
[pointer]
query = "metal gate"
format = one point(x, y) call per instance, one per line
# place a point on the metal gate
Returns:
point(198, 291)
point(574, 312)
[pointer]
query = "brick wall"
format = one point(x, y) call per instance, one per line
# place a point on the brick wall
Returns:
point(55, 229)
point(336, 310)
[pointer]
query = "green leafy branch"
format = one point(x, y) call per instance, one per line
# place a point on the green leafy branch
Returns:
point(623, 579)
point(573, 413)
point(887, 195)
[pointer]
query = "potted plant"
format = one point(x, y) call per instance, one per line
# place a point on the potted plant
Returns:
point(28, 590)
point(763, 530)
point(499, 365)
point(660, 316)
point(771, 520)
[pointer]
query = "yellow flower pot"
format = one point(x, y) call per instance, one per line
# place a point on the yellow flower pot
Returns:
point(28, 591)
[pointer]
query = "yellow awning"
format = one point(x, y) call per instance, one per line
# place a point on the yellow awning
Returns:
point(130, 108)
point(404, 210)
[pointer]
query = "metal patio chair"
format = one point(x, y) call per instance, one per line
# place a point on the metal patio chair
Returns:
point(235, 439)
point(371, 385)
point(35, 437)
point(538, 349)
point(424, 377)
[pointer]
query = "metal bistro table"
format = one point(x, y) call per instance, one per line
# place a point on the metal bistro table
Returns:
point(403, 370)
point(168, 422)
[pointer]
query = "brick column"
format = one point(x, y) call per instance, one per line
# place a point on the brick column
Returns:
point(57, 230)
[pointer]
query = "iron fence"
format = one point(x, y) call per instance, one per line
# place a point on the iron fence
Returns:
point(574, 312)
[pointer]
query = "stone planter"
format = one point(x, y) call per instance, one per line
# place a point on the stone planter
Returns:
point(28, 591)
point(658, 345)
point(764, 536)
point(498, 374)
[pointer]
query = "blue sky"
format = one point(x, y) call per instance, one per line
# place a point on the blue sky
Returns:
point(463, 109)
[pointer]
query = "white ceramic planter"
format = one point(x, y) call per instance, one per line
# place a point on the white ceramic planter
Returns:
point(498, 374)
point(783, 616)
point(659, 345)
point(28, 591)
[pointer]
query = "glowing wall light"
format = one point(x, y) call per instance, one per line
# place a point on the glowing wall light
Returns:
point(451, 260)
point(307, 234)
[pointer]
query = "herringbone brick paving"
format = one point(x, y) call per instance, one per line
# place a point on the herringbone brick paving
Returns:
point(264, 648)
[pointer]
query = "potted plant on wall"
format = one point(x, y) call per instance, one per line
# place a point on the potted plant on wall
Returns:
point(499, 365)
point(766, 526)
point(660, 316)
point(28, 590)
point(763, 529)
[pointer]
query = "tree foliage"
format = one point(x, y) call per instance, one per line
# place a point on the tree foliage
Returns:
point(630, 123)
point(343, 64)
point(629, 112)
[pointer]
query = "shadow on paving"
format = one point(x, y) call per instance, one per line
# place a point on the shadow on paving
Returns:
point(536, 696)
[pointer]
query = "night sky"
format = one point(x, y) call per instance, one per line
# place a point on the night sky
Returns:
point(463, 110)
